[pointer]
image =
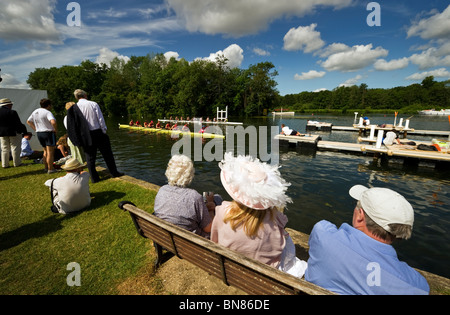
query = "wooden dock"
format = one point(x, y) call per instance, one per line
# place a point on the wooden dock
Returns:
point(314, 142)
point(356, 128)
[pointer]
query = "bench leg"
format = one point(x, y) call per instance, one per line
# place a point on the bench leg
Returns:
point(158, 249)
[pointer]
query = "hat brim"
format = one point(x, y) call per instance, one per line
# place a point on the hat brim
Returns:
point(71, 168)
point(236, 197)
point(357, 191)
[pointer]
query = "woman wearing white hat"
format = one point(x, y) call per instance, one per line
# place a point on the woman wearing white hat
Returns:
point(253, 224)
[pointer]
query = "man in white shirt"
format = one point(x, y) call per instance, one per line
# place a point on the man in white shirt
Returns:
point(44, 123)
point(71, 192)
point(98, 139)
point(285, 130)
point(391, 138)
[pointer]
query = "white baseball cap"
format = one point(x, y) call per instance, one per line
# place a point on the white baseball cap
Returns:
point(384, 206)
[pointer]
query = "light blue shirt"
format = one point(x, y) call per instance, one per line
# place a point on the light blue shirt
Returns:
point(347, 261)
point(26, 148)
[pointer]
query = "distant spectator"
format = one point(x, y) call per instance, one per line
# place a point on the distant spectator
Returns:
point(44, 123)
point(11, 130)
point(27, 151)
point(285, 130)
point(75, 151)
point(391, 138)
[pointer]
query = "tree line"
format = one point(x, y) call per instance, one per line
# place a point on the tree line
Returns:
point(152, 86)
point(405, 99)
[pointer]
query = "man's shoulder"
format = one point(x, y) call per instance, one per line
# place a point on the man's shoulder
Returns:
point(84, 102)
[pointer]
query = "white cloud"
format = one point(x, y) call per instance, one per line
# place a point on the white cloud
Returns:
point(110, 13)
point(238, 18)
point(261, 52)
point(313, 74)
point(358, 57)
point(334, 49)
point(234, 53)
point(172, 54)
point(396, 64)
point(10, 82)
point(304, 38)
point(431, 57)
point(107, 55)
point(28, 20)
point(320, 90)
point(434, 27)
point(352, 81)
point(81, 43)
point(438, 73)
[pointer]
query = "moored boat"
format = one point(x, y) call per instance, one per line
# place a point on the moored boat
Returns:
point(432, 112)
point(173, 132)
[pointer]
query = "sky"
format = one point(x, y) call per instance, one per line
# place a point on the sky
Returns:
point(313, 44)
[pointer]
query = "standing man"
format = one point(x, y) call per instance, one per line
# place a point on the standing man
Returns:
point(11, 130)
point(44, 123)
point(87, 128)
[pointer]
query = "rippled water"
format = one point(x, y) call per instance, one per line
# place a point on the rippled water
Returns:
point(320, 182)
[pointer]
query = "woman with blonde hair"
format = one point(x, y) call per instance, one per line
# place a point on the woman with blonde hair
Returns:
point(253, 223)
point(75, 152)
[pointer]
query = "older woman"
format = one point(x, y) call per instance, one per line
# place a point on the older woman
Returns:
point(253, 223)
point(180, 205)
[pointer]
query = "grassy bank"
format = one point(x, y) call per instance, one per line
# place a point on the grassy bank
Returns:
point(36, 245)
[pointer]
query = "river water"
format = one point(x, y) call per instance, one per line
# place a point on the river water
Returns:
point(320, 181)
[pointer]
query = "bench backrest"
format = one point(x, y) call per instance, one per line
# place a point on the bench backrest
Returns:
point(234, 269)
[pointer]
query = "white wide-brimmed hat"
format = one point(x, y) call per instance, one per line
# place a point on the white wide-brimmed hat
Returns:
point(73, 164)
point(384, 206)
point(252, 183)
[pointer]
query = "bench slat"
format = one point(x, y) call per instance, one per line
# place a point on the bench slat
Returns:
point(237, 270)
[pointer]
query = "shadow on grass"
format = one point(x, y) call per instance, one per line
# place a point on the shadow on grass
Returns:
point(54, 223)
point(33, 230)
point(103, 198)
point(28, 173)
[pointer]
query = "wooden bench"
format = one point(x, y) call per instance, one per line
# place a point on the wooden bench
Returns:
point(234, 269)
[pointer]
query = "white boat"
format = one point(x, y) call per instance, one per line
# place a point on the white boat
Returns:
point(442, 112)
point(281, 113)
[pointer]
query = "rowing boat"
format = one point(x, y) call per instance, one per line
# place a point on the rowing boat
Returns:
point(173, 132)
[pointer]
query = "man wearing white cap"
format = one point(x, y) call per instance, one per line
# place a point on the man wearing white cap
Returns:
point(11, 130)
point(361, 259)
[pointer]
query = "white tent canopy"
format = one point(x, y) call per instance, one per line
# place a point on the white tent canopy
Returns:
point(24, 103)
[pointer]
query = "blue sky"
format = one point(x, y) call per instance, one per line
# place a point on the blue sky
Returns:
point(313, 44)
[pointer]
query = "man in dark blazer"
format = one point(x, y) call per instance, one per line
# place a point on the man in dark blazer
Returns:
point(11, 130)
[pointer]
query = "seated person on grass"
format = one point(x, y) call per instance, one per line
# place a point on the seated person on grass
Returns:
point(71, 192)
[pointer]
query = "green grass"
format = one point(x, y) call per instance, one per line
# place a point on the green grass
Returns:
point(36, 245)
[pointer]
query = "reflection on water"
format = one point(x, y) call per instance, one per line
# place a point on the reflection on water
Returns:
point(320, 182)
